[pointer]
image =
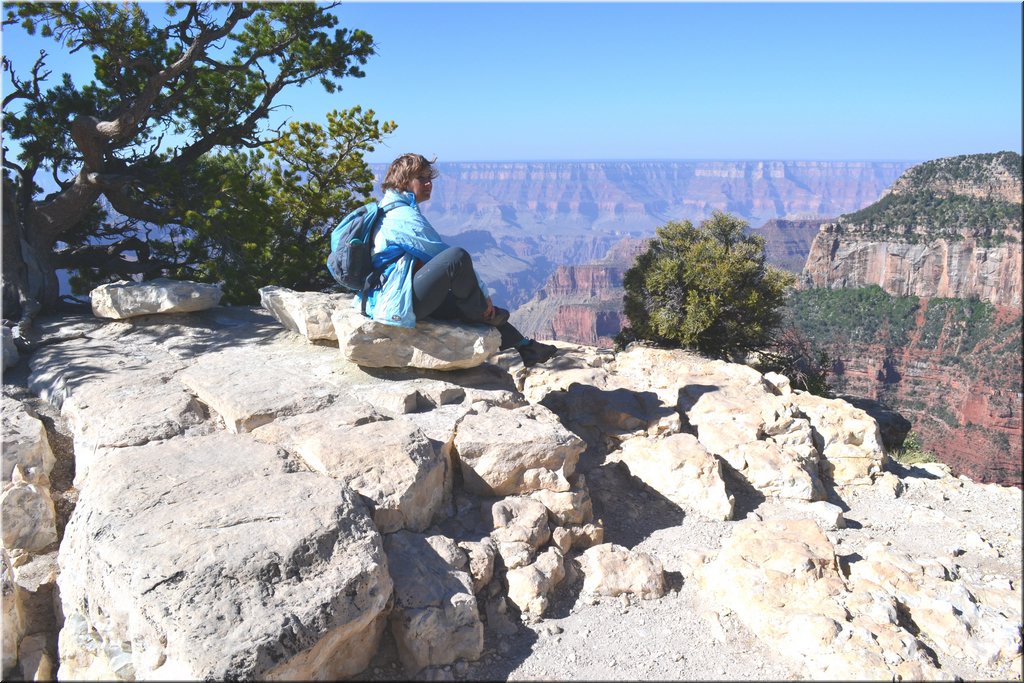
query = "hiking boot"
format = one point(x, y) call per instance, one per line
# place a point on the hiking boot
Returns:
point(535, 352)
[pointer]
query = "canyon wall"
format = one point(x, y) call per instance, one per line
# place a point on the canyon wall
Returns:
point(950, 366)
point(961, 268)
point(946, 228)
point(945, 351)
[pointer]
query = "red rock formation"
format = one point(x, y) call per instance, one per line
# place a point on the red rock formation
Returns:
point(967, 413)
point(581, 304)
point(946, 228)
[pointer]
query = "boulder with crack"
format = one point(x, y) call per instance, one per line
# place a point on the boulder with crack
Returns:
point(251, 387)
point(435, 619)
point(211, 558)
point(391, 462)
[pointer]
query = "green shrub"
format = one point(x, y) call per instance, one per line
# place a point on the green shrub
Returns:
point(912, 451)
point(705, 288)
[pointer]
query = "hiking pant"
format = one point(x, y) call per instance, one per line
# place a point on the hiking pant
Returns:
point(446, 288)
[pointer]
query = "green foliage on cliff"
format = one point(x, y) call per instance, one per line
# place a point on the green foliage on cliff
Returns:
point(706, 288)
point(865, 315)
point(972, 168)
point(929, 202)
point(896, 216)
point(966, 321)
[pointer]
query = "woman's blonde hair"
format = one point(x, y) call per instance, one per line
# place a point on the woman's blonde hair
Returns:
point(405, 168)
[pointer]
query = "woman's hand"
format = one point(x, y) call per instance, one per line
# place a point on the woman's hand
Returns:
point(489, 311)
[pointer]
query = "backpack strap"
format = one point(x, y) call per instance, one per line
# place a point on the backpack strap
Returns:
point(372, 281)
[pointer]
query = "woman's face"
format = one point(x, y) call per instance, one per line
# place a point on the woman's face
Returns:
point(421, 186)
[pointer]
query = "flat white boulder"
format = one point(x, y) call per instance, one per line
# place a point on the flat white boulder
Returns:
point(125, 299)
point(213, 558)
point(429, 346)
point(307, 313)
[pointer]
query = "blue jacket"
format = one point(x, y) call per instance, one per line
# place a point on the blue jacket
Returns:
point(406, 234)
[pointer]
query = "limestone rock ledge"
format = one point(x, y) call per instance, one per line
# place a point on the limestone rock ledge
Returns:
point(270, 498)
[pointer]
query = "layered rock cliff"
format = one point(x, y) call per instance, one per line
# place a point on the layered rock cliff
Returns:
point(946, 228)
point(640, 195)
point(946, 235)
point(581, 304)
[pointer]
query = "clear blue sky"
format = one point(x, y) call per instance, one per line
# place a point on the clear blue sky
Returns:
point(539, 81)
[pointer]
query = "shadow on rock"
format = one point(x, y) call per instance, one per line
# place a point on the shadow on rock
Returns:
point(630, 509)
point(747, 498)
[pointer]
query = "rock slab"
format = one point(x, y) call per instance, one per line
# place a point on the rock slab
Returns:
point(125, 299)
point(283, 574)
point(429, 346)
point(307, 313)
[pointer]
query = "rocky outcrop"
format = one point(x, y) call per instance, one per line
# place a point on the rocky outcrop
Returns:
point(964, 268)
point(124, 299)
point(262, 539)
point(946, 228)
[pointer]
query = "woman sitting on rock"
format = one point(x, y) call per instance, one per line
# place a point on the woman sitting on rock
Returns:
point(426, 277)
